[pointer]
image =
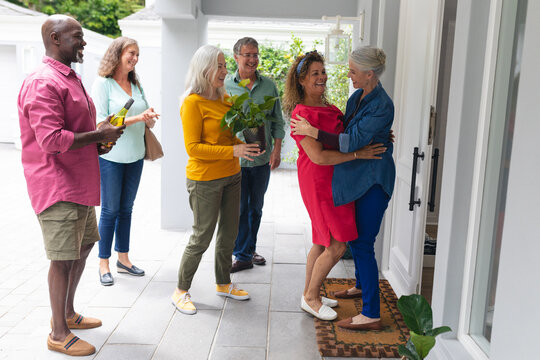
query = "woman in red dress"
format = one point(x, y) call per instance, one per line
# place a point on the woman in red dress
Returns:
point(332, 226)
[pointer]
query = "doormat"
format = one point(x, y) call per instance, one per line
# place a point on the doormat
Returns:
point(334, 341)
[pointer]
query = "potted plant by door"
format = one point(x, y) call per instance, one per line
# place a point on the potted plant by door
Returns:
point(247, 116)
point(418, 317)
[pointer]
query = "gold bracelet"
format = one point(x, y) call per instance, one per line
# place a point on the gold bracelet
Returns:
point(355, 155)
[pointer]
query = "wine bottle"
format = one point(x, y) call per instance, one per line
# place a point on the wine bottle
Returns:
point(119, 117)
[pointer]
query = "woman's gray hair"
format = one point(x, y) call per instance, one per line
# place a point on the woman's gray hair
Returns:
point(369, 58)
point(202, 71)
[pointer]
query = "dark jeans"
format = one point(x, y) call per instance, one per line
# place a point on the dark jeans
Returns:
point(119, 185)
point(254, 184)
point(370, 209)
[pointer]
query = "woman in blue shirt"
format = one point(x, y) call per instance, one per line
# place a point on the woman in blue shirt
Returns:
point(121, 168)
point(368, 119)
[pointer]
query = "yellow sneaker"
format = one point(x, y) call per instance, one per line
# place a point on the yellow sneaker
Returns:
point(182, 301)
point(231, 291)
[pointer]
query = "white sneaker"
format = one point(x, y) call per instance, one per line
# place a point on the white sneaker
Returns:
point(329, 302)
point(325, 312)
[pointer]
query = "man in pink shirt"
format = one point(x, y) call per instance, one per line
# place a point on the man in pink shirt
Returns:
point(60, 147)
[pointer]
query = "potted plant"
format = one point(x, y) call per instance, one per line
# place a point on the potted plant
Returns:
point(418, 317)
point(247, 116)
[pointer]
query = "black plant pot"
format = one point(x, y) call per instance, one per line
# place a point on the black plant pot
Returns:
point(255, 136)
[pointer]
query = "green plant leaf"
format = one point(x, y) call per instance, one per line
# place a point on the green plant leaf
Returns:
point(268, 103)
point(244, 83)
point(408, 351)
point(416, 313)
point(241, 99)
point(423, 344)
point(438, 331)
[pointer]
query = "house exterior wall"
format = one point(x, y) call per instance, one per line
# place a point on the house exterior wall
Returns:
point(23, 33)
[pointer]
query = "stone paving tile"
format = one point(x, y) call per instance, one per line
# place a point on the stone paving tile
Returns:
point(245, 323)
point(189, 337)
point(287, 286)
point(292, 336)
point(238, 353)
point(265, 237)
point(126, 352)
point(147, 319)
point(290, 249)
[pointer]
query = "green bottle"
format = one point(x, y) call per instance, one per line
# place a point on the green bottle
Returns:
point(119, 117)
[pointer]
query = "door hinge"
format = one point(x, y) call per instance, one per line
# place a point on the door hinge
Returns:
point(432, 124)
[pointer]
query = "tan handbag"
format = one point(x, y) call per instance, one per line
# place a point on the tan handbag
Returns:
point(153, 147)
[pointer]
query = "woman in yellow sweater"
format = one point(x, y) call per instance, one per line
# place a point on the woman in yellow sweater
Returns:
point(213, 175)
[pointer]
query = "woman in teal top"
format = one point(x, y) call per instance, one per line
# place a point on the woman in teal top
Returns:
point(121, 168)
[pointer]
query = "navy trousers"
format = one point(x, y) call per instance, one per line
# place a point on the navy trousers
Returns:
point(254, 184)
point(370, 210)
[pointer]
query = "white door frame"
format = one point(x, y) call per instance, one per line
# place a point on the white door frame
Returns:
point(425, 166)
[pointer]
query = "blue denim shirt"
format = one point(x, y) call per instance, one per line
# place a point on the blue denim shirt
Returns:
point(366, 122)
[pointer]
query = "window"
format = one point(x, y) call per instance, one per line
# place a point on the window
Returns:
point(496, 172)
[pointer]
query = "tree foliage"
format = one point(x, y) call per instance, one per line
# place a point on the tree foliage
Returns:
point(98, 15)
point(275, 61)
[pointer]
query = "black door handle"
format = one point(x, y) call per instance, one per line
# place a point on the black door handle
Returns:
point(435, 158)
point(416, 155)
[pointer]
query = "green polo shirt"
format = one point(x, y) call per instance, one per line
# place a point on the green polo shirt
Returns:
point(273, 129)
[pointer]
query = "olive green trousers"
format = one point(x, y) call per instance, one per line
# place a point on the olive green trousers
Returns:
point(212, 202)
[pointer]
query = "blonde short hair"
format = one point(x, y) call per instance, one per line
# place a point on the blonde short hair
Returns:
point(369, 58)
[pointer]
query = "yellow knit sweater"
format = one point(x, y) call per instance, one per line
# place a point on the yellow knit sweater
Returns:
point(208, 145)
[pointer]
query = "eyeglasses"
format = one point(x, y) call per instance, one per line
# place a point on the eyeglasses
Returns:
point(254, 56)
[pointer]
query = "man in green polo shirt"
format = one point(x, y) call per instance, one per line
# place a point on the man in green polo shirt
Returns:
point(255, 174)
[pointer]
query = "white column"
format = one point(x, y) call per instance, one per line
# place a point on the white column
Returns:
point(181, 37)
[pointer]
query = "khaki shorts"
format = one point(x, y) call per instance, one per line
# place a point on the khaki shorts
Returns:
point(66, 227)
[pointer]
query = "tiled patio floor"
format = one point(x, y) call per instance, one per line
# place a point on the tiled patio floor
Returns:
point(139, 321)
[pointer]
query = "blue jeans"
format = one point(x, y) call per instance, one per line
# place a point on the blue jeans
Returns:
point(119, 185)
point(254, 184)
point(370, 210)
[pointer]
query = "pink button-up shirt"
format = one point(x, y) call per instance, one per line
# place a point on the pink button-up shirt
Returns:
point(53, 105)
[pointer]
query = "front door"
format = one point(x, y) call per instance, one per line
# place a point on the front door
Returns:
point(415, 92)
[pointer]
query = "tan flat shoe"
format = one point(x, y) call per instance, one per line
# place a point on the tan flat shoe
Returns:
point(344, 294)
point(80, 322)
point(348, 324)
point(72, 346)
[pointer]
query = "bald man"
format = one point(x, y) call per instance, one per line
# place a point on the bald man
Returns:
point(60, 148)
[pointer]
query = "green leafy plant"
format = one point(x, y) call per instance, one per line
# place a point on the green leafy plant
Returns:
point(98, 15)
point(244, 112)
point(418, 317)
